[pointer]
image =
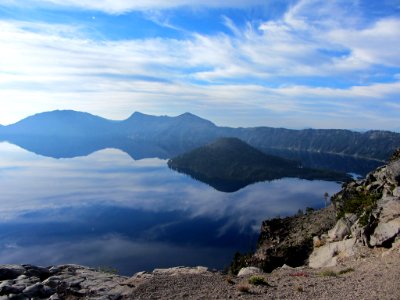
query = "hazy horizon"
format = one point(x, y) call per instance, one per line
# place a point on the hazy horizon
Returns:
point(292, 63)
point(220, 125)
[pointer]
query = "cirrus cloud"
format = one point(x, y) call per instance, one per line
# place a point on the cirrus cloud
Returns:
point(302, 69)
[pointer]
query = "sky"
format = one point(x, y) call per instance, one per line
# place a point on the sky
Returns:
point(279, 63)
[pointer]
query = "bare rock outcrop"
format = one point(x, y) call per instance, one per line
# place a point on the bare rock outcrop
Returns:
point(249, 271)
point(290, 240)
point(369, 216)
point(79, 282)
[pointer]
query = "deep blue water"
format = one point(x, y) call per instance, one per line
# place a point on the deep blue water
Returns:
point(107, 209)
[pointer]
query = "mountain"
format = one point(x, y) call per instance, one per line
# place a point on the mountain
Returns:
point(229, 164)
point(176, 135)
point(371, 144)
point(179, 133)
point(61, 123)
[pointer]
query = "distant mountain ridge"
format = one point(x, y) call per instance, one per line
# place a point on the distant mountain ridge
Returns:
point(187, 131)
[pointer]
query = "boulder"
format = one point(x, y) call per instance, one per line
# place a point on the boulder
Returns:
point(11, 271)
point(38, 290)
point(385, 233)
point(389, 209)
point(249, 271)
point(342, 228)
point(36, 271)
point(9, 287)
point(327, 255)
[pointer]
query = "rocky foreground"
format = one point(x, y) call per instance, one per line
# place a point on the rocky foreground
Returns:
point(350, 250)
point(374, 274)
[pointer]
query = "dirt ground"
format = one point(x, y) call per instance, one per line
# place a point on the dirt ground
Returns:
point(374, 274)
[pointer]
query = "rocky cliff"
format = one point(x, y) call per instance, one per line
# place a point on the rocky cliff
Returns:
point(289, 240)
point(368, 213)
point(364, 214)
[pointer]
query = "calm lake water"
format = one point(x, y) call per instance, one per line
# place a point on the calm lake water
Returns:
point(107, 209)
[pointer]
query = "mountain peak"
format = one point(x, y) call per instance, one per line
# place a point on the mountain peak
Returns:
point(67, 113)
point(138, 114)
point(187, 116)
point(61, 123)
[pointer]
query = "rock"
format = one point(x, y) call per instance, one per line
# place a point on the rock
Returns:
point(342, 228)
point(53, 281)
point(286, 267)
point(249, 271)
point(327, 255)
point(39, 272)
point(181, 270)
point(389, 209)
point(54, 297)
point(9, 287)
point(385, 232)
point(11, 271)
point(38, 290)
point(54, 270)
point(290, 240)
point(14, 297)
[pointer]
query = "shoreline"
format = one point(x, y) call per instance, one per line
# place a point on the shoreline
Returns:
point(371, 275)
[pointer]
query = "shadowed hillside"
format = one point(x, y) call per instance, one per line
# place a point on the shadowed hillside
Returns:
point(229, 164)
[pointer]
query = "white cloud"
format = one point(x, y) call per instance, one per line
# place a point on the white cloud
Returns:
point(124, 6)
point(374, 45)
point(254, 71)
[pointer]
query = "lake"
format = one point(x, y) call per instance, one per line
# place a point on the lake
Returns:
point(109, 210)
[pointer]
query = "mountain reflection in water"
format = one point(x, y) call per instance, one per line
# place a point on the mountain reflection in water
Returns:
point(106, 209)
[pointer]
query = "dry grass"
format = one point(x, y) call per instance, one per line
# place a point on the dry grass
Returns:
point(299, 288)
point(319, 243)
point(229, 280)
point(299, 274)
point(344, 271)
point(244, 288)
point(328, 273)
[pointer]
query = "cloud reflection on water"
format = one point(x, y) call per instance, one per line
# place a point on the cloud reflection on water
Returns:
point(112, 177)
point(109, 209)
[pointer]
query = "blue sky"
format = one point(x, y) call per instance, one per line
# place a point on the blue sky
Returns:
point(295, 64)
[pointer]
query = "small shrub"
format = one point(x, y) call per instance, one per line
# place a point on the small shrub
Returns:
point(344, 271)
point(299, 288)
point(229, 280)
point(360, 203)
point(244, 288)
point(319, 243)
point(309, 210)
point(239, 261)
point(257, 280)
point(328, 273)
point(107, 270)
